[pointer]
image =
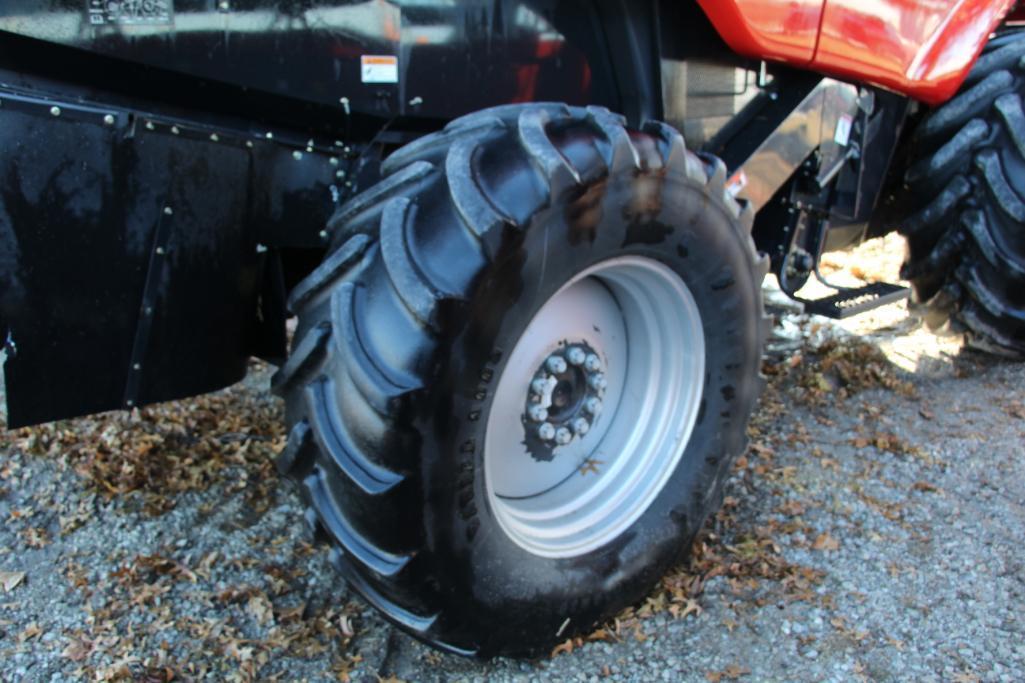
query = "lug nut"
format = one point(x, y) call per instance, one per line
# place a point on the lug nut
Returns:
point(563, 436)
point(537, 413)
point(597, 381)
point(580, 426)
point(546, 431)
point(556, 364)
point(576, 355)
point(592, 405)
point(592, 363)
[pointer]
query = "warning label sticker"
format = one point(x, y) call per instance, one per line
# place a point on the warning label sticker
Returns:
point(737, 183)
point(379, 69)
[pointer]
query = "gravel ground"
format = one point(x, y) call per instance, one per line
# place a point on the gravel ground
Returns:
point(873, 531)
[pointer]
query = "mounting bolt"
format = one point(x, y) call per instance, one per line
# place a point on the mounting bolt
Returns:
point(538, 413)
point(592, 363)
point(136, 366)
point(150, 126)
point(55, 110)
point(593, 405)
point(546, 431)
point(323, 234)
point(223, 6)
point(333, 161)
point(563, 436)
point(160, 250)
point(175, 130)
point(576, 355)
point(597, 381)
point(214, 137)
point(168, 210)
point(580, 426)
point(109, 119)
point(297, 155)
point(129, 403)
point(539, 386)
point(556, 364)
point(269, 135)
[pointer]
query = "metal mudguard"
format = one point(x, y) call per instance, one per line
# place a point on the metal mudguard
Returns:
point(134, 264)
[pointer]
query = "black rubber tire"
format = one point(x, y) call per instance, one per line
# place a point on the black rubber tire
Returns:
point(966, 189)
point(401, 335)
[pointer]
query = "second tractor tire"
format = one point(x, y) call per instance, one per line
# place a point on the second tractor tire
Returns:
point(966, 186)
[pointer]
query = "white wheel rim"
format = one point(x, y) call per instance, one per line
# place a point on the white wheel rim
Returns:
point(641, 320)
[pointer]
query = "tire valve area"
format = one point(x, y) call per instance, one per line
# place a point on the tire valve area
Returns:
point(564, 398)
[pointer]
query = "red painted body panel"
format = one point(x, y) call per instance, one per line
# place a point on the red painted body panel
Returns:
point(777, 30)
point(922, 48)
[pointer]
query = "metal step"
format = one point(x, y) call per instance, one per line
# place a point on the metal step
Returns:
point(849, 302)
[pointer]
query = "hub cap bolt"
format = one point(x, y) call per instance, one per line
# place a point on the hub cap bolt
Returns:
point(592, 363)
point(546, 431)
point(592, 406)
point(597, 381)
point(563, 436)
point(556, 364)
point(581, 426)
point(537, 413)
point(576, 355)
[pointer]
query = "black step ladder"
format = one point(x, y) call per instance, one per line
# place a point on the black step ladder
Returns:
point(850, 301)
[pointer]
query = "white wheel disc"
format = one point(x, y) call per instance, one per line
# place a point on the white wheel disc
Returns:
point(574, 481)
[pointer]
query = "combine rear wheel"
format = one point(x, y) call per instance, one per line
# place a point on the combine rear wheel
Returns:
point(522, 374)
point(966, 240)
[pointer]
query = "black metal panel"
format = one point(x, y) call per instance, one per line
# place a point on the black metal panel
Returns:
point(249, 120)
point(451, 58)
point(135, 249)
point(72, 259)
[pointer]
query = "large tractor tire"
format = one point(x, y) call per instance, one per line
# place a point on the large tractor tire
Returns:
point(966, 238)
point(520, 377)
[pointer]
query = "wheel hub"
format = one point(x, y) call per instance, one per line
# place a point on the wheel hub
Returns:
point(607, 376)
point(565, 398)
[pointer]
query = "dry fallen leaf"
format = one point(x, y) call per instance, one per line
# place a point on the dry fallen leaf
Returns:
point(78, 650)
point(259, 606)
point(10, 580)
point(565, 647)
point(732, 673)
point(31, 631)
point(826, 542)
point(345, 625)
